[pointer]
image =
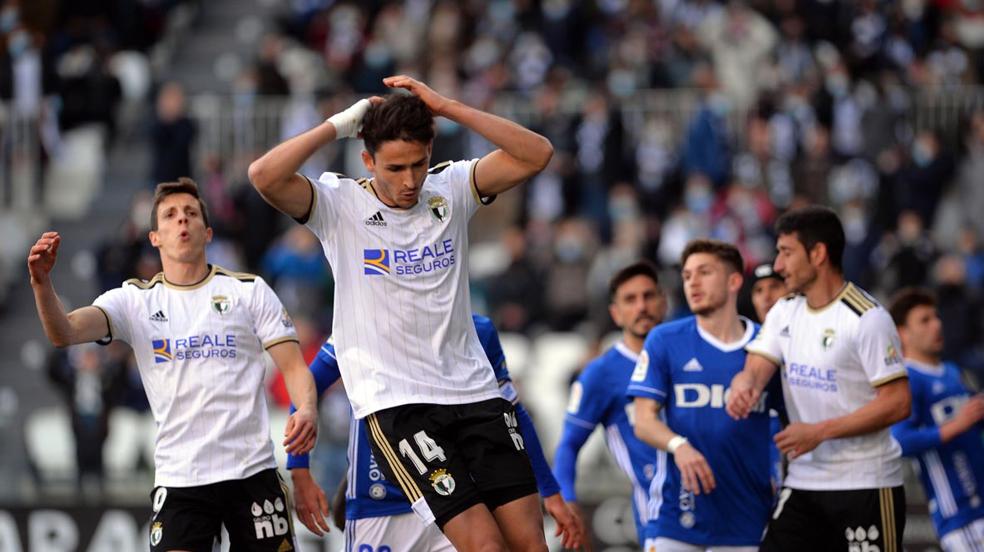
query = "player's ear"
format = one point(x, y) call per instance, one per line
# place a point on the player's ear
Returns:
point(818, 254)
point(208, 234)
point(735, 281)
point(155, 240)
point(613, 312)
point(368, 161)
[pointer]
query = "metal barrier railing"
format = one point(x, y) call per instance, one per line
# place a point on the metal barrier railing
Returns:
point(21, 159)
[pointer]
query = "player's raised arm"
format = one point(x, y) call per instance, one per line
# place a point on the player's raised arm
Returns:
point(79, 326)
point(275, 174)
point(522, 153)
point(302, 426)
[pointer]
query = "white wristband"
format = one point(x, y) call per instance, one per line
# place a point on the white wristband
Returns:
point(348, 123)
point(673, 444)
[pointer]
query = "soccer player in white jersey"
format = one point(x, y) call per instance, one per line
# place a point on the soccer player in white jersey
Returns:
point(945, 433)
point(716, 494)
point(198, 333)
point(410, 359)
point(844, 385)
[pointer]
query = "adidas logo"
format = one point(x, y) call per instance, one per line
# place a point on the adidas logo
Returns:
point(158, 317)
point(693, 366)
point(784, 332)
point(376, 220)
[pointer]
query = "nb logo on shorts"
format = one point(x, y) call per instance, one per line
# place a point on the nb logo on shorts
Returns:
point(513, 427)
point(859, 540)
point(267, 520)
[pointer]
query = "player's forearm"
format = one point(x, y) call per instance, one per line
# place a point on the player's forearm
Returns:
point(300, 386)
point(890, 406)
point(916, 440)
point(54, 320)
point(277, 166)
point(541, 469)
point(526, 146)
point(759, 370)
point(565, 458)
point(648, 427)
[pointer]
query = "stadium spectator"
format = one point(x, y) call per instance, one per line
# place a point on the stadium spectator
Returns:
point(844, 387)
point(943, 434)
point(213, 389)
point(172, 135)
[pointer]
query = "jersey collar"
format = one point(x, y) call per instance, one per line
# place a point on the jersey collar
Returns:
point(621, 347)
point(931, 369)
point(728, 347)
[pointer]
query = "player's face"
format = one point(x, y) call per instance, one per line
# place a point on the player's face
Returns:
point(707, 283)
point(181, 234)
point(400, 168)
point(765, 293)
point(923, 331)
point(793, 264)
point(638, 305)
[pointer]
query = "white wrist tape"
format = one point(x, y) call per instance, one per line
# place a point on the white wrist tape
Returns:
point(673, 444)
point(348, 123)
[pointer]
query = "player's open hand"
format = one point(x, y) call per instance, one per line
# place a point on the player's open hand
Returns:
point(742, 396)
point(570, 528)
point(798, 439)
point(695, 472)
point(971, 412)
point(41, 258)
point(301, 432)
point(436, 102)
point(310, 502)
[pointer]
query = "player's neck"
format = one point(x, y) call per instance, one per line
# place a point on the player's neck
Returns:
point(928, 359)
point(633, 342)
point(723, 324)
point(824, 289)
point(184, 274)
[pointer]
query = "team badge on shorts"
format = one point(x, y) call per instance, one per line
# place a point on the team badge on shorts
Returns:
point(442, 482)
point(156, 533)
point(377, 491)
point(438, 207)
point(221, 304)
point(687, 520)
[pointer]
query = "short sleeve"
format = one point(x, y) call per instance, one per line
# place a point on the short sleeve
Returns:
point(114, 305)
point(460, 177)
point(651, 377)
point(271, 322)
point(322, 219)
point(589, 397)
point(879, 348)
point(766, 342)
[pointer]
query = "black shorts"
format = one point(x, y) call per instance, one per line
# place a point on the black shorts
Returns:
point(256, 512)
point(854, 521)
point(448, 458)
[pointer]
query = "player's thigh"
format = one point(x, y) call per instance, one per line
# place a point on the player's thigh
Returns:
point(417, 451)
point(866, 518)
point(257, 513)
point(490, 440)
point(400, 533)
point(184, 518)
point(969, 538)
point(521, 521)
point(793, 524)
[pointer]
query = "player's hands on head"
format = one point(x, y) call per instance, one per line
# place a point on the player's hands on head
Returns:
point(695, 472)
point(301, 432)
point(436, 102)
point(798, 439)
point(41, 258)
point(310, 502)
point(570, 528)
point(348, 123)
point(742, 396)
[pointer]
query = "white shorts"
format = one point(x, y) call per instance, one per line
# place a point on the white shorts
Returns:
point(402, 533)
point(969, 538)
point(662, 544)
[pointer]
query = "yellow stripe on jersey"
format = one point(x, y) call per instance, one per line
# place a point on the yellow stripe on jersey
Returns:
point(404, 479)
point(242, 276)
point(146, 284)
point(890, 378)
point(856, 301)
point(439, 167)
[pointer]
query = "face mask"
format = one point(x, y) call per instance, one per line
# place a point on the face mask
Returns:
point(698, 200)
point(719, 104)
point(921, 155)
point(9, 17)
point(569, 250)
point(18, 43)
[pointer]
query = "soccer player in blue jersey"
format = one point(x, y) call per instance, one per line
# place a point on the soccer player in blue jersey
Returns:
point(944, 432)
point(598, 396)
point(717, 492)
point(377, 512)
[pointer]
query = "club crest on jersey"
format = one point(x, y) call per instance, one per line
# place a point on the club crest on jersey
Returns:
point(438, 207)
point(442, 482)
point(827, 341)
point(221, 304)
point(156, 533)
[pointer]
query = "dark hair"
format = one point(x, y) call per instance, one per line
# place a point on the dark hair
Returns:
point(639, 268)
point(725, 252)
point(907, 299)
point(184, 185)
point(812, 225)
point(399, 117)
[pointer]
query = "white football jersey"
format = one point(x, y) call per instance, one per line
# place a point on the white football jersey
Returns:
point(199, 350)
point(831, 360)
point(402, 327)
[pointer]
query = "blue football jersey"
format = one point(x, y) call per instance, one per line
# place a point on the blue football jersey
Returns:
point(952, 473)
point(598, 397)
point(688, 372)
point(369, 493)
